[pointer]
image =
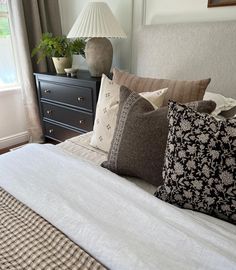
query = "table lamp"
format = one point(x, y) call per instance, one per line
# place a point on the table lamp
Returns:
point(97, 23)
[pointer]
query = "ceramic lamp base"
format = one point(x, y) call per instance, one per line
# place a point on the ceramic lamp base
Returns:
point(99, 53)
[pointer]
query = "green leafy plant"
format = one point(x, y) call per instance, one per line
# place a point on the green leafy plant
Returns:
point(58, 46)
point(4, 27)
point(78, 46)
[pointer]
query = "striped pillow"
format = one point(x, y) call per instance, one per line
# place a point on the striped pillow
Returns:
point(179, 91)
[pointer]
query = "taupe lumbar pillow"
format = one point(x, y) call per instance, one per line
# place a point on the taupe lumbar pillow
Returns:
point(107, 109)
point(180, 91)
point(139, 141)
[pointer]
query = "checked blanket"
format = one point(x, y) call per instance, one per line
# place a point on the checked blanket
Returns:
point(27, 241)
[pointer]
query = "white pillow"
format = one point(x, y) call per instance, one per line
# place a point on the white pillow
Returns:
point(156, 98)
point(222, 103)
point(107, 109)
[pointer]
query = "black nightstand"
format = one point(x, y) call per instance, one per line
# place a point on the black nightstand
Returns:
point(67, 105)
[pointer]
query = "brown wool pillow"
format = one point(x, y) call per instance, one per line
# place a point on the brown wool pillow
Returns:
point(140, 136)
point(179, 91)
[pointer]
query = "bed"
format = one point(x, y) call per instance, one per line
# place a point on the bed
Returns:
point(60, 209)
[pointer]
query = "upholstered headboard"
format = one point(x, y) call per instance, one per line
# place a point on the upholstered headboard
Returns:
point(190, 52)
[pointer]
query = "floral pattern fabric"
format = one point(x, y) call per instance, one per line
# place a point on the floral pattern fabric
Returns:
point(200, 168)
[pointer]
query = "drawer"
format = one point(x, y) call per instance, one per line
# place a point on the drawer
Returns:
point(68, 116)
point(81, 97)
point(58, 133)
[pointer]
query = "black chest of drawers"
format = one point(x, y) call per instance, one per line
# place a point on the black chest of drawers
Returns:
point(67, 105)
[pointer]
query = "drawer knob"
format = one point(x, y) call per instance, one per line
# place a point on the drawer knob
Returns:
point(47, 91)
point(80, 99)
point(50, 131)
point(49, 111)
point(81, 121)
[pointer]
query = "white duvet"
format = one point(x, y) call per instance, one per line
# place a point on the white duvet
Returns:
point(115, 221)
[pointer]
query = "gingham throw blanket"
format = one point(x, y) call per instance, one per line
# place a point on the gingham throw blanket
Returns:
point(28, 242)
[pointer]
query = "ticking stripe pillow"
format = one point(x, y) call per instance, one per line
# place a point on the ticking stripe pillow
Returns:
point(180, 91)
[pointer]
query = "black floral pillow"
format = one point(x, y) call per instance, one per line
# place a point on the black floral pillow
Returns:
point(200, 169)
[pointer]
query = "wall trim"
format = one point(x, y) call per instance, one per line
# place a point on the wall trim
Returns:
point(14, 139)
point(10, 91)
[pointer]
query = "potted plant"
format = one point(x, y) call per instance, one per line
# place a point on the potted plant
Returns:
point(60, 49)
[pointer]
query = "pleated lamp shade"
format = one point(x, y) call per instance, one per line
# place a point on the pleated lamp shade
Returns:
point(96, 20)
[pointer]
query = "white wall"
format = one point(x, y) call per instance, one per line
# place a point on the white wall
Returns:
point(12, 119)
point(133, 14)
point(173, 11)
point(122, 9)
point(12, 115)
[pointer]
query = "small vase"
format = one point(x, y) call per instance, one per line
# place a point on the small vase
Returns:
point(61, 63)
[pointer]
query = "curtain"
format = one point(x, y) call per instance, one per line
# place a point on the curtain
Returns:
point(28, 19)
point(41, 16)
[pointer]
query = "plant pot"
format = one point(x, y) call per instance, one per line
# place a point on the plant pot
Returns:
point(61, 63)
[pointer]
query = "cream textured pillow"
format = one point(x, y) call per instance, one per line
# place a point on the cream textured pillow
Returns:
point(156, 98)
point(222, 103)
point(107, 110)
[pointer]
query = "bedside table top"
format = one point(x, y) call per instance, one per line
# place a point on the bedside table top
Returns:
point(81, 74)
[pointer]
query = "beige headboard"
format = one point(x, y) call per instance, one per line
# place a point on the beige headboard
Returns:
point(190, 52)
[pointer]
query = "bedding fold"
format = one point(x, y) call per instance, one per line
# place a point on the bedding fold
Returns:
point(27, 241)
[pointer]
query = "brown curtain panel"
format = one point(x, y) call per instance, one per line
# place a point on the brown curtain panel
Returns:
point(29, 19)
point(41, 16)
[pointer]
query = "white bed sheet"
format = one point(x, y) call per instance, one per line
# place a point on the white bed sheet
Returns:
point(118, 223)
point(80, 147)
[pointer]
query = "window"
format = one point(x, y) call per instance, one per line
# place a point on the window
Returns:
point(8, 72)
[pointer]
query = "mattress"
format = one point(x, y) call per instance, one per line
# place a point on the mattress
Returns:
point(80, 146)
